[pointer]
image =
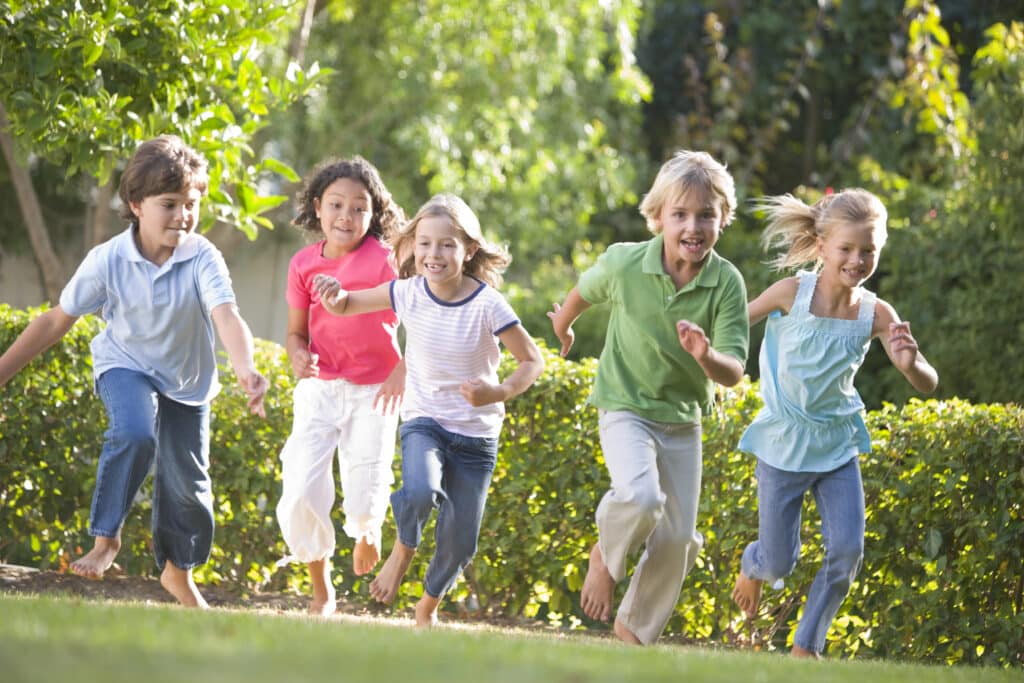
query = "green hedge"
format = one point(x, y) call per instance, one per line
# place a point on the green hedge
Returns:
point(942, 578)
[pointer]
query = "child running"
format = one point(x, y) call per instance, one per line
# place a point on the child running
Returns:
point(810, 431)
point(678, 325)
point(453, 408)
point(350, 380)
point(162, 290)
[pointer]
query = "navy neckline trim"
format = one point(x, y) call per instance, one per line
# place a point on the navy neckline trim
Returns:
point(461, 302)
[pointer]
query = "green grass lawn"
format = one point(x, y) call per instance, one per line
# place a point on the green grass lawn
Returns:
point(61, 639)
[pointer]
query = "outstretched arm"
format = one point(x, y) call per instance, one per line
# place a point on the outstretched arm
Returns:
point(562, 318)
point(778, 297)
point(340, 301)
point(42, 333)
point(531, 364)
point(234, 333)
point(717, 366)
point(901, 347)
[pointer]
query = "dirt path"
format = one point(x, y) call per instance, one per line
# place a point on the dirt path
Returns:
point(118, 587)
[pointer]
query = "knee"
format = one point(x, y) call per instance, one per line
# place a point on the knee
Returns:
point(648, 502)
point(420, 498)
point(846, 559)
point(135, 436)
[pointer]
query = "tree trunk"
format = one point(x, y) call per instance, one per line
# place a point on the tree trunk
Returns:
point(50, 267)
point(300, 38)
point(100, 228)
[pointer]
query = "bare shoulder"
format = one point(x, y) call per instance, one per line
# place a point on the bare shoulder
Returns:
point(781, 294)
point(885, 314)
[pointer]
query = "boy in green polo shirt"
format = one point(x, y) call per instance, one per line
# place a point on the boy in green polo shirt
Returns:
point(678, 325)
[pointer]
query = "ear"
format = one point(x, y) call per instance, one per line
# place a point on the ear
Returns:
point(316, 207)
point(136, 208)
point(470, 253)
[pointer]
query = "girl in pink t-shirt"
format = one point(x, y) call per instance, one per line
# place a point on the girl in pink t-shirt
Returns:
point(350, 375)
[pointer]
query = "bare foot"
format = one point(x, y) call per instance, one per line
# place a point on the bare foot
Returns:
point(98, 560)
point(365, 557)
point(598, 588)
point(324, 601)
point(384, 588)
point(623, 633)
point(803, 653)
point(426, 611)
point(179, 583)
point(747, 594)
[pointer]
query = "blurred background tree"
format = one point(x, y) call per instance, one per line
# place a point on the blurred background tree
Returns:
point(550, 118)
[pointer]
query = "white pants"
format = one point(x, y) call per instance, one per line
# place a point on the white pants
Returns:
point(334, 415)
point(655, 473)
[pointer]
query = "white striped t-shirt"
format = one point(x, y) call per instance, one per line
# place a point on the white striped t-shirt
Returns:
point(447, 343)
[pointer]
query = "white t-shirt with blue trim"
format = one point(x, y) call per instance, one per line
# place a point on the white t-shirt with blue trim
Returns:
point(447, 343)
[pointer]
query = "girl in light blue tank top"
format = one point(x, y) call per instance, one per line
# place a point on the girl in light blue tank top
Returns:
point(810, 431)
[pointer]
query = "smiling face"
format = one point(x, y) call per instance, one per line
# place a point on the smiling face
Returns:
point(691, 224)
point(165, 221)
point(849, 253)
point(345, 211)
point(439, 254)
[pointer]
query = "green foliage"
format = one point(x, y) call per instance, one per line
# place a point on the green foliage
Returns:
point(942, 572)
point(529, 111)
point(84, 85)
point(954, 275)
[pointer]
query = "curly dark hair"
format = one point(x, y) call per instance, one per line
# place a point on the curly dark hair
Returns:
point(387, 214)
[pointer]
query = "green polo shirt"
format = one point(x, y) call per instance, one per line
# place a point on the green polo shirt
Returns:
point(643, 368)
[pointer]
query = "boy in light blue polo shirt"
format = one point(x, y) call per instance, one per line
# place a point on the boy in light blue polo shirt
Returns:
point(678, 325)
point(162, 290)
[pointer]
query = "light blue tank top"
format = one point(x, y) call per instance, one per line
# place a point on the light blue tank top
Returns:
point(812, 416)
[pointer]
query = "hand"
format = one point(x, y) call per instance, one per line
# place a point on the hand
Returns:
point(692, 339)
point(255, 386)
point(481, 393)
point(305, 364)
point(390, 394)
point(566, 335)
point(329, 289)
point(902, 345)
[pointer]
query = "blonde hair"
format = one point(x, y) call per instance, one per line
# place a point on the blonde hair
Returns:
point(796, 227)
point(684, 172)
point(488, 262)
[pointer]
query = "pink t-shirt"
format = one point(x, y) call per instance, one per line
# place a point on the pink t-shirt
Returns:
point(362, 349)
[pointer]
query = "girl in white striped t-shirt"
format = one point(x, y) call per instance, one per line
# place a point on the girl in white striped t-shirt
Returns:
point(453, 408)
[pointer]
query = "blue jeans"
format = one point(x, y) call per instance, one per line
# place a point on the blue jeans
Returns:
point(449, 472)
point(145, 426)
point(839, 495)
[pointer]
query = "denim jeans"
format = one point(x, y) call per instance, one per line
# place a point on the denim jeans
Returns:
point(449, 472)
point(839, 495)
point(147, 427)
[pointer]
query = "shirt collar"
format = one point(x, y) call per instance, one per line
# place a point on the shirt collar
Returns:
point(707, 277)
point(127, 249)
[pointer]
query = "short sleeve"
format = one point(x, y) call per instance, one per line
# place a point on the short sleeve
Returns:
point(501, 314)
point(297, 292)
point(731, 332)
point(400, 294)
point(86, 292)
point(213, 278)
point(596, 282)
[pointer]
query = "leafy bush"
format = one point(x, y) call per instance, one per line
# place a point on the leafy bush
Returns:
point(943, 571)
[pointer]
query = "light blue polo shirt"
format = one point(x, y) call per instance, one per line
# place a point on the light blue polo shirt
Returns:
point(643, 368)
point(158, 317)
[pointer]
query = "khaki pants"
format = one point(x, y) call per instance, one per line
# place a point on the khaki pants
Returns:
point(655, 473)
